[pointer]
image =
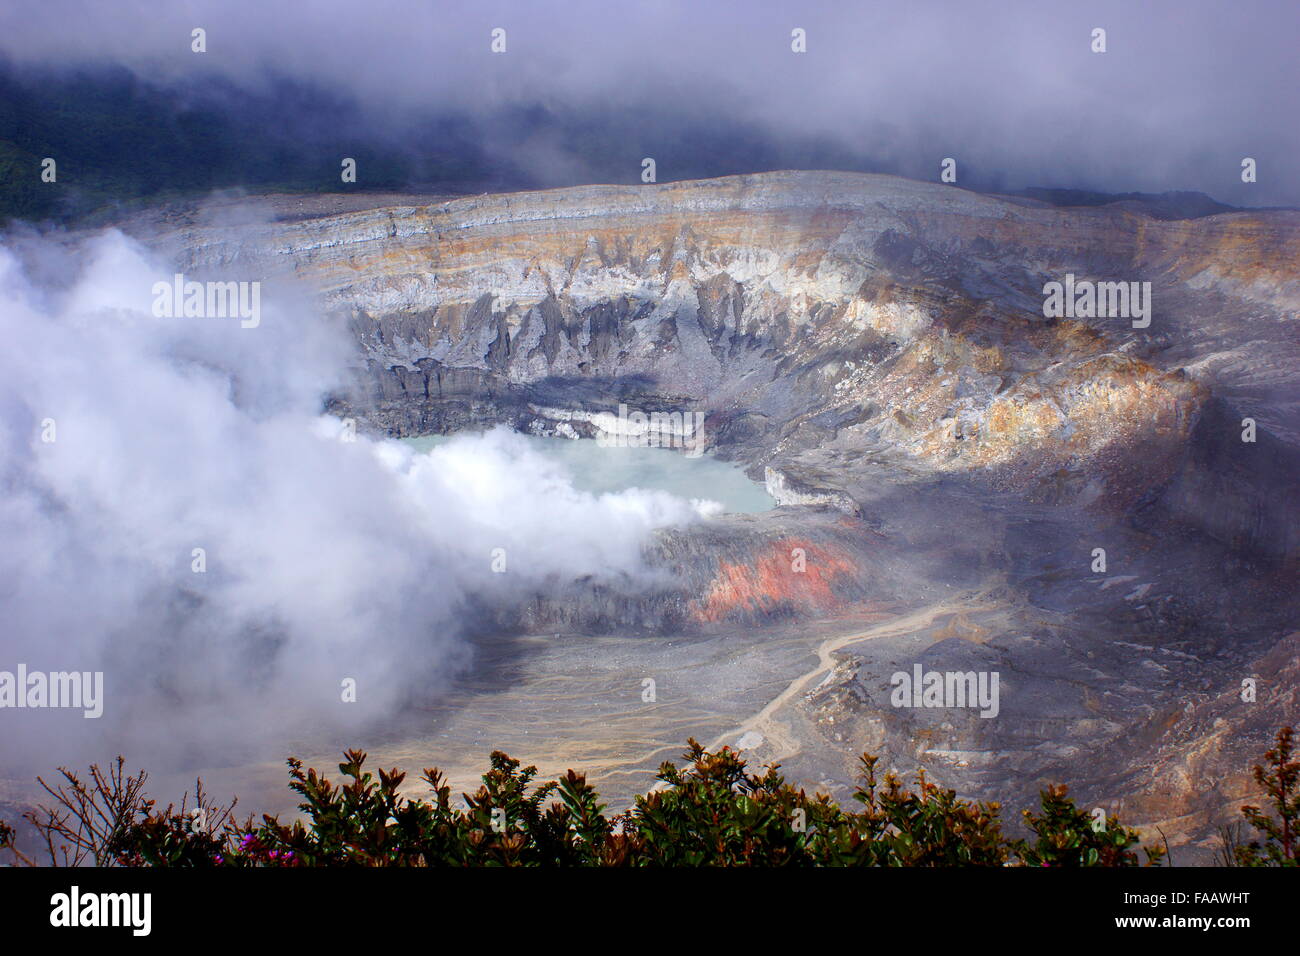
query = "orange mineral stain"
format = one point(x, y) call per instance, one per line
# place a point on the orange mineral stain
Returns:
point(773, 581)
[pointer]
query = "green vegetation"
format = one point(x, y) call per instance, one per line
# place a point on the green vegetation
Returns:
point(1279, 840)
point(120, 140)
point(711, 812)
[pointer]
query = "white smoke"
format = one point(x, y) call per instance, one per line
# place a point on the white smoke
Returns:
point(325, 559)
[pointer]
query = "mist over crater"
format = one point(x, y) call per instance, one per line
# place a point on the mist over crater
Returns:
point(963, 482)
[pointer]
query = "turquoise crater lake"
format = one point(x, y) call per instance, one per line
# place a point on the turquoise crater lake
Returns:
point(603, 470)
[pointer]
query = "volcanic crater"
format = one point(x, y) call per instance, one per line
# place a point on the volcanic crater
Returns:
point(945, 459)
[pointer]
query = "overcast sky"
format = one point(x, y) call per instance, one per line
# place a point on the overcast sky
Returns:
point(1186, 89)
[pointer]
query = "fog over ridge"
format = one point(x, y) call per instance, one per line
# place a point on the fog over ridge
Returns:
point(1011, 90)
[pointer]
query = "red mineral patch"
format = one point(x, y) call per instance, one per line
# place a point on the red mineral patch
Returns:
point(773, 581)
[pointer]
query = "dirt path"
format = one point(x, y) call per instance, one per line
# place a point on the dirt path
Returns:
point(779, 743)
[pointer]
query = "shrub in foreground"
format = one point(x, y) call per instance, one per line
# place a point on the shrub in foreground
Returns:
point(712, 811)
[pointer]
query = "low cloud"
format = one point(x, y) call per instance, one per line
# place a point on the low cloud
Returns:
point(1012, 89)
